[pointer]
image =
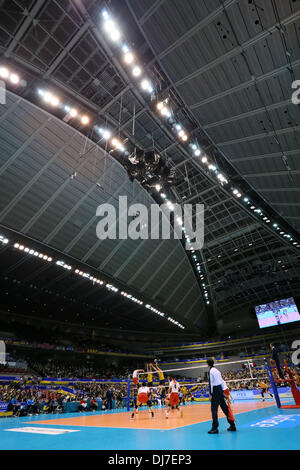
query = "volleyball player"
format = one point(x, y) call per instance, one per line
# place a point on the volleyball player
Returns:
point(150, 382)
point(149, 375)
point(159, 372)
point(162, 391)
point(161, 388)
point(135, 376)
point(184, 394)
point(143, 397)
point(264, 389)
point(174, 396)
point(167, 400)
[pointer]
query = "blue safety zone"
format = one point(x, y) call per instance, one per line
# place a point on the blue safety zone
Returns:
point(267, 428)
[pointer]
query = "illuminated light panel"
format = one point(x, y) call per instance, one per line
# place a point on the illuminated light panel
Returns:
point(145, 84)
point(4, 73)
point(85, 120)
point(106, 134)
point(112, 288)
point(176, 322)
point(115, 35)
point(54, 101)
point(136, 71)
point(30, 251)
point(14, 78)
point(109, 25)
point(3, 240)
point(112, 30)
point(47, 97)
point(117, 144)
point(64, 265)
point(73, 112)
point(128, 58)
point(105, 14)
point(164, 111)
point(161, 314)
point(170, 205)
point(132, 298)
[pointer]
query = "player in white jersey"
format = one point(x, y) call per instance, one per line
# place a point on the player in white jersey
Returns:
point(173, 401)
point(135, 376)
point(143, 397)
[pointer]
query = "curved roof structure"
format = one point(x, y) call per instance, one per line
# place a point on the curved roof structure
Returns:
point(41, 198)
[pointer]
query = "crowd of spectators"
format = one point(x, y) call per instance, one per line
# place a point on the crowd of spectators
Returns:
point(24, 399)
point(61, 369)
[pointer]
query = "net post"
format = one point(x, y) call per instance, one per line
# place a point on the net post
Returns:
point(128, 395)
point(276, 394)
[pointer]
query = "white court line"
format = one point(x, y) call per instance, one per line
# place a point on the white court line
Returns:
point(49, 431)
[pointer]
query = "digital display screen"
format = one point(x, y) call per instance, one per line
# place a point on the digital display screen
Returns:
point(278, 312)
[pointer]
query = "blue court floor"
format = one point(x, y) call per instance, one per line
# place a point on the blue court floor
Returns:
point(268, 428)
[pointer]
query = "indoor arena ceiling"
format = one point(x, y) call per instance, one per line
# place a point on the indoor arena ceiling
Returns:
point(227, 68)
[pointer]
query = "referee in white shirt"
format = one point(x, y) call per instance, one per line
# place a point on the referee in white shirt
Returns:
point(216, 389)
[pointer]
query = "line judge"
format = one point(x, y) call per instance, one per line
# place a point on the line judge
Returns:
point(217, 387)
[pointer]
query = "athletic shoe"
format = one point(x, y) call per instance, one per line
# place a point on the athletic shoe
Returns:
point(152, 414)
point(132, 416)
point(213, 431)
point(232, 428)
point(167, 415)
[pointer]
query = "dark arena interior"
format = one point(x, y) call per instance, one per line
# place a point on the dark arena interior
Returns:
point(149, 227)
